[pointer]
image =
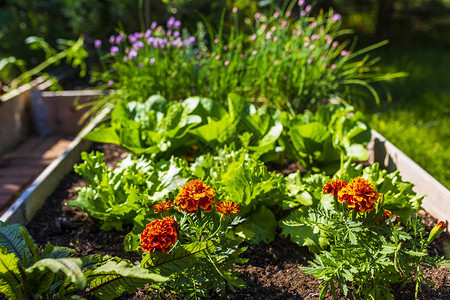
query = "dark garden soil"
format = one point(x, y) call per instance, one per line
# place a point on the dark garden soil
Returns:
point(272, 270)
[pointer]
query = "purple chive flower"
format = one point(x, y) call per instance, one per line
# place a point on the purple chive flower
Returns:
point(112, 39)
point(335, 44)
point(253, 37)
point(133, 37)
point(235, 10)
point(177, 24)
point(301, 2)
point(254, 52)
point(98, 43)
point(125, 58)
point(140, 65)
point(313, 24)
point(288, 14)
point(217, 57)
point(216, 41)
point(268, 35)
point(336, 17)
point(150, 40)
point(283, 24)
point(303, 13)
point(114, 50)
point(276, 14)
point(155, 43)
point(310, 60)
point(138, 45)
point(119, 39)
point(132, 54)
point(275, 38)
point(176, 34)
point(175, 42)
point(110, 83)
point(263, 27)
point(152, 61)
point(153, 26)
point(276, 62)
point(345, 53)
point(226, 63)
point(306, 44)
point(312, 47)
point(314, 37)
point(170, 22)
point(307, 8)
point(169, 32)
point(148, 33)
point(333, 66)
point(257, 15)
point(191, 40)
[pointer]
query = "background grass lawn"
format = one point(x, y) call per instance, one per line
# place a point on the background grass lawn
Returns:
point(417, 120)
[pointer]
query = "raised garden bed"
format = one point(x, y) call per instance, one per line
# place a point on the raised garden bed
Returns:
point(55, 119)
point(272, 271)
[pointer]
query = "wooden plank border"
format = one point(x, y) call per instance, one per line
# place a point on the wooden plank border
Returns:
point(27, 205)
point(437, 196)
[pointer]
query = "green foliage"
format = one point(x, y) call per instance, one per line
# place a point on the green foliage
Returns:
point(111, 279)
point(25, 273)
point(117, 196)
point(372, 257)
point(308, 223)
point(320, 141)
point(398, 195)
point(203, 259)
point(165, 128)
point(302, 66)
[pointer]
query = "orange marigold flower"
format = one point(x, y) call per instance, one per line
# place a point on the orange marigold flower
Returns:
point(359, 194)
point(160, 235)
point(334, 186)
point(195, 193)
point(163, 206)
point(227, 207)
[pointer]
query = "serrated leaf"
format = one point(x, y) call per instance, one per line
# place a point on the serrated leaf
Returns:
point(112, 279)
point(43, 272)
point(11, 238)
point(181, 258)
point(11, 284)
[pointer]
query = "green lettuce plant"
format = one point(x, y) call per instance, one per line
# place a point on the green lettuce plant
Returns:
point(321, 141)
point(162, 128)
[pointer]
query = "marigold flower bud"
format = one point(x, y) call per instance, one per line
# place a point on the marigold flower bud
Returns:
point(163, 206)
point(436, 231)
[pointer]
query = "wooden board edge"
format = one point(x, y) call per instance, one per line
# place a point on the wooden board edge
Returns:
point(27, 205)
point(437, 196)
